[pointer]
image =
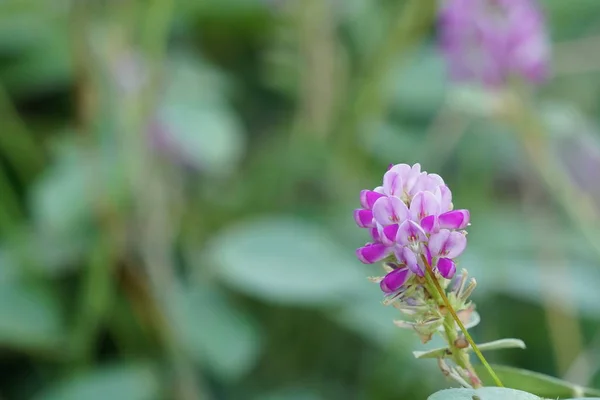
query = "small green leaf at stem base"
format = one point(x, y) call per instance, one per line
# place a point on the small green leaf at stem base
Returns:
point(494, 345)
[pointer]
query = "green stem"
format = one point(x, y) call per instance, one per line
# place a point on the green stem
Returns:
point(431, 279)
point(459, 355)
point(531, 132)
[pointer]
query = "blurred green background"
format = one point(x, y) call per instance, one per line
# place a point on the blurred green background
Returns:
point(177, 180)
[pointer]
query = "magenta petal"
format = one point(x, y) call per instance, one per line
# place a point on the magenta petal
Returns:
point(448, 244)
point(389, 210)
point(457, 219)
point(394, 280)
point(374, 234)
point(447, 267)
point(423, 205)
point(408, 258)
point(368, 198)
point(409, 232)
point(430, 224)
point(388, 236)
point(363, 218)
point(427, 253)
point(372, 253)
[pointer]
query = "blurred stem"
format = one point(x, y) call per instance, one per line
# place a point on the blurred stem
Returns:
point(319, 75)
point(81, 56)
point(366, 102)
point(10, 207)
point(579, 208)
point(561, 313)
point(95, 299)
point(158, 23)
point(152, 197)
point(17, 143)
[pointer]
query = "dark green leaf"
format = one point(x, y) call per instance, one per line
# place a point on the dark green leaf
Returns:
point(534, 382)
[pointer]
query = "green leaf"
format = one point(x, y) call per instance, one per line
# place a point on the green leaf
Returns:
point(486, 393)
point(29, 318)
point(501, 344)
point(420, 87)
point(200, 127)
point(208, 138)
point(534, 382)
point(215, 334)
point(364, 313)
point(495, 345)
point(284, 260)
point(131, 382)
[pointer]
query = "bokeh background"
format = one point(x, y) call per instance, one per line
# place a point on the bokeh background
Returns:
point(177, 180)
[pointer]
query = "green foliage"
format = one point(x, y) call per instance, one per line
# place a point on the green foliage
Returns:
point(539, 384)
point(177, 180)
point(284, 260)
point(487, 393)
point(135, 382)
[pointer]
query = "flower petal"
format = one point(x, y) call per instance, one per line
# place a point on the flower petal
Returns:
point(457, 219)
point(363, 218)
point(388, 234)
point(423, 205)
point(374, 234)
point(373, 252)
point(437, 241)
point(410, 232)
point(390, 210)
point(444, 197)
point(427, 253)
point(412, 178)
point(368, 198)
point(430, 224)
point(392, 183)
point(394, 280)
point(408, 258)
point(402, 169)
point(448, 244)
point(447, 267)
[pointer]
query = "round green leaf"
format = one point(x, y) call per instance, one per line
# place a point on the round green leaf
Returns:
point(486, 393)
point(420, 87)
point(215, 334)
point(119, 382)
point(29, 318)
point(284, 260)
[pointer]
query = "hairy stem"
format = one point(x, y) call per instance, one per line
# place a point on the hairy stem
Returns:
point(430, 276)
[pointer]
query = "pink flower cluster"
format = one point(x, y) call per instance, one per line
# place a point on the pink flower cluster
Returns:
point(411, 221)
point(489, 40)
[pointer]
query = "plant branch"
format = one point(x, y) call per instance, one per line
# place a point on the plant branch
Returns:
point(430, 276)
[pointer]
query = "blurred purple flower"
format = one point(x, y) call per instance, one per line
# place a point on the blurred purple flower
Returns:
point(410, 219)
point(490, 40)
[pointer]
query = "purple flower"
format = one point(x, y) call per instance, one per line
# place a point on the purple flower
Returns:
point(394, 280)
point(411, 222)
point(490, 40)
